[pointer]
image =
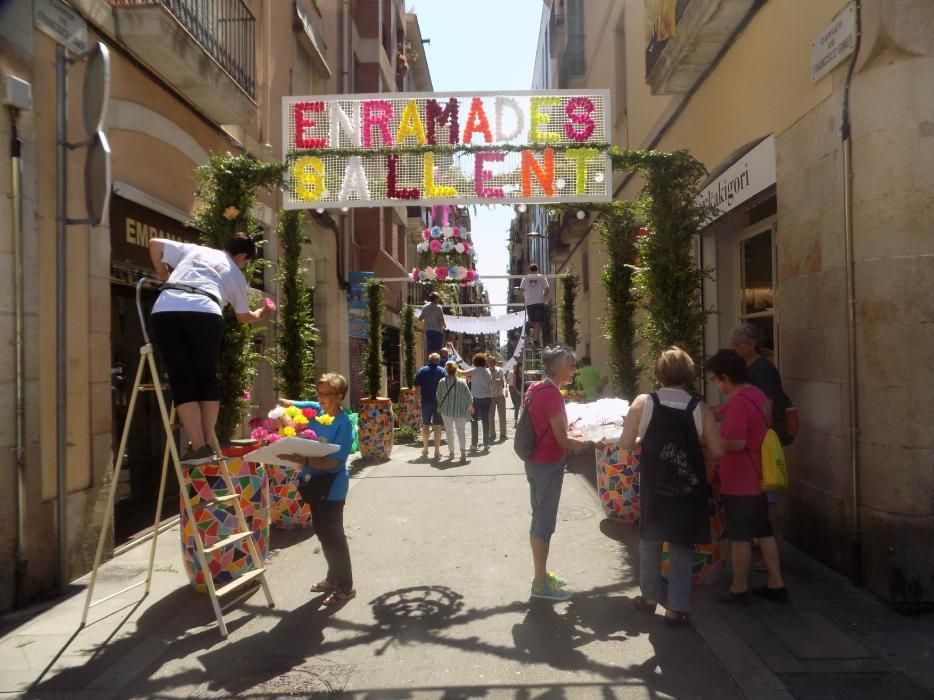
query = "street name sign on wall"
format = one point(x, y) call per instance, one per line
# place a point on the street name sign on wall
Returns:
point(446, 148)
point(55, 18)
point(834, 44)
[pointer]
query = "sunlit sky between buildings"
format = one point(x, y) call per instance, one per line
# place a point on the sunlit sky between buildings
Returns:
point(484, 45)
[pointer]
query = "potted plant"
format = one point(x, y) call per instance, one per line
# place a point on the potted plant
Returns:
point(409, 408)
point(376, 422)
point(227, 186)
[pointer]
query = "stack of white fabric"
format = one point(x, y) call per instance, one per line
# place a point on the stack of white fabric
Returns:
point(600, 420)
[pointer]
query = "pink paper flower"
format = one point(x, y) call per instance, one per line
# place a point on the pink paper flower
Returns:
point(426, 234)
point(471, 275)
point(435, 246)
point(466, 247)
point(273, 437)
point(269, 304)
point(308, 435)
point(247, 396)
point(441, 272)
point(270, 425)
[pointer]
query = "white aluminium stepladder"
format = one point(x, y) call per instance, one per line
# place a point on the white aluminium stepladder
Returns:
point(230, 500)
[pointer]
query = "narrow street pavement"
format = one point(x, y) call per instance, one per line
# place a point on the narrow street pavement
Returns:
point(442, 571)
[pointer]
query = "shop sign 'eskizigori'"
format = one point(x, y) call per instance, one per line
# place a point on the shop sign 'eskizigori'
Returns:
point(446, 148)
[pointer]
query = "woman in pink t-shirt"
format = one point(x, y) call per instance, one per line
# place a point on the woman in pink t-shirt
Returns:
point(743, 428)
point(545, 469)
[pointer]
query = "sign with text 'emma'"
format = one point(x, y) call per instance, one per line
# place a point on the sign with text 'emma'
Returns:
point(746, 178)
point(453, 148)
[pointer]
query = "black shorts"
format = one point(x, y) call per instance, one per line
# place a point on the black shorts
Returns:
point(190, 345)
point(747, 517)
point(430, 415)
point(535, 312)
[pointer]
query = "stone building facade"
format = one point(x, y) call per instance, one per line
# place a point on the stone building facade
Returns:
point(186, 81)
point(839, 278)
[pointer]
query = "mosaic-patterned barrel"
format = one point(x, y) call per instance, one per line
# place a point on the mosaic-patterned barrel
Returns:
point(287, 510)
point(709, 559)
point(618, 482)
point(216, 523)
point(410, 410)
point(375, 428)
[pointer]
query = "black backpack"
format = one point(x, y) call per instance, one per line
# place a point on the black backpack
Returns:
point(671, 454)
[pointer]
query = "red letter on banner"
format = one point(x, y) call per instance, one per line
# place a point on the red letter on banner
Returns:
point(435, 116)
point(392, 190)
point(300, 110)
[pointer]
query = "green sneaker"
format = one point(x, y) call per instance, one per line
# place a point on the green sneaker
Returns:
point(550, 591)
point(560, 581)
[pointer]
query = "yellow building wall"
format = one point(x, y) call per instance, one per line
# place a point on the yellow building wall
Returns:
point(761, 86)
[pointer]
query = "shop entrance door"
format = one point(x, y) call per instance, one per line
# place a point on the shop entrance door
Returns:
point(135, 502)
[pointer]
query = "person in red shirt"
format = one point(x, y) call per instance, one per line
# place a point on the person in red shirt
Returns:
point(545, 469)
point(746, 419)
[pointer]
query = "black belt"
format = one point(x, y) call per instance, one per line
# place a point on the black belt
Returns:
point(191, 290)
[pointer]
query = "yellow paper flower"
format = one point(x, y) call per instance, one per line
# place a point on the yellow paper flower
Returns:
point(288, 431)
point(299, 420)
point(291, 412)
point(231, 213)
point(324, 419)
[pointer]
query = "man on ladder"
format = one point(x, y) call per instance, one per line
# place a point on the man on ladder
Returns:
point(534, 288)
point(188, 327)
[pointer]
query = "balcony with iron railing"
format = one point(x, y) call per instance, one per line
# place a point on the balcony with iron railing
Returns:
point(687, 37)
point(206, 49)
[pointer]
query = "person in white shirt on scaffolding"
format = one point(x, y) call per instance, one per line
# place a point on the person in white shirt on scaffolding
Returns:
point(534, 288)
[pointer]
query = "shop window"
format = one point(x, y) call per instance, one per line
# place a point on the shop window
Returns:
point(757, 283)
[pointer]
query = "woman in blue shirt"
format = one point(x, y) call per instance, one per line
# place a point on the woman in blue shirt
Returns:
point(323, 484)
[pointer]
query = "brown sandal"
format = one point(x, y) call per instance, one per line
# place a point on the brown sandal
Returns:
point(324, 586)
point(338, 597)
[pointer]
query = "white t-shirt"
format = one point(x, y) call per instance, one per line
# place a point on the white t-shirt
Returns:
point(534, 288)
point(673, 398)
point(205, 268)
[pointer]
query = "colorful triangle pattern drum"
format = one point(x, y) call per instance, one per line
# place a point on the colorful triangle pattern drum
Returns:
point(618, 483)
point(204, 483)
point(287, 510)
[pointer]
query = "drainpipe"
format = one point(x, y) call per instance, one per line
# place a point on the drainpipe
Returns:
point(16, 164)
point(856, 562)
point(61, 310)
point(343, 241)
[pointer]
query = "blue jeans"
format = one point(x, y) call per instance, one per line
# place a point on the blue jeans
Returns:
point(679, 575)
point(481, 414)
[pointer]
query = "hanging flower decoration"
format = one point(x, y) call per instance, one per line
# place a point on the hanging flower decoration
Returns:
point(442, 273)
point(231, 213)
point(444, 250)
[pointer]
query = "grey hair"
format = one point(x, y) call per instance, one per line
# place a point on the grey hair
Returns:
point(434, 357)
point(554, 356)
point(751, 333)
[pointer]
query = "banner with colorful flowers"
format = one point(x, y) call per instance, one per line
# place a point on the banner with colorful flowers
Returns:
point(432, 148)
